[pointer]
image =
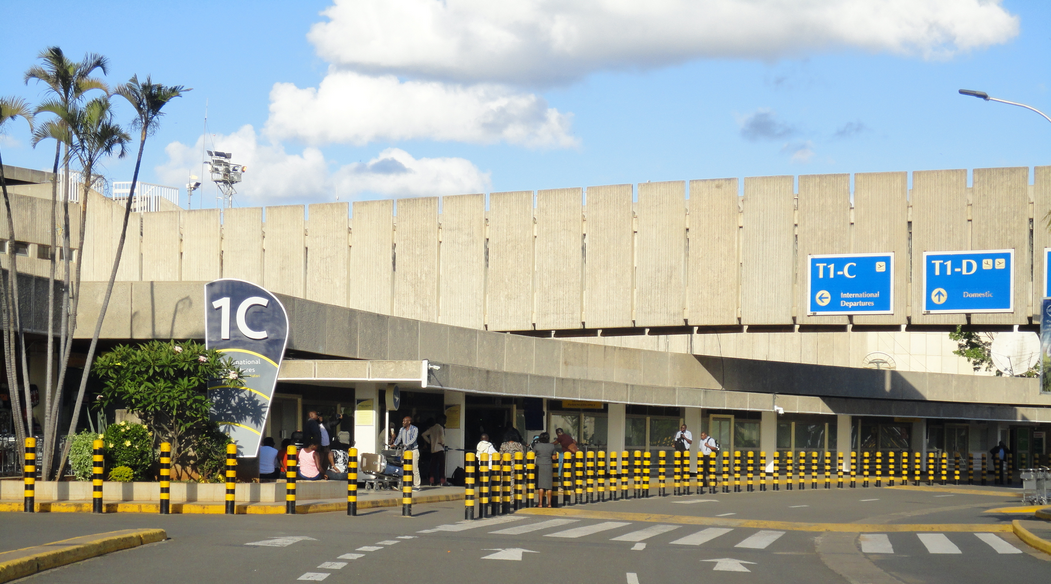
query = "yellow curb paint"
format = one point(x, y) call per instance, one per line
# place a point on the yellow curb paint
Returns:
point(1031, 540)
point(955, 491)
point(778, 525)
point(27, 561)
point(1027, 509)
point(1044, 514)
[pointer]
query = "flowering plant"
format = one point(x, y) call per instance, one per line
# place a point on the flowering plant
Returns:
point(129, 445)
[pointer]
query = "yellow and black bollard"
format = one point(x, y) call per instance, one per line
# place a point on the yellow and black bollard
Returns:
point(686, 478)
point(578, 482)
point(290, 480)
point(801, 467)
point(879, 468)
point(662, 476)
point(813, 470)
point(602, 476)
point(166, 477)
point(352, 482)
point(676, 473)
point(614, 474)
point(762, 470)
point(590, 476)
point(931, 468)
point(777, 471)
point(750, 471)
point(917, 468)
point(647, 473)
point(468, 493)
point(636, 474)
point(29, 476)
point(530, 479)
point(406, 483)
point(944, 467)
point(970, 468)
point(567, 479)
point(905, 468)
point(1009, 476)
point(519, 481)
point(483, 473)
point(789, 468)
point(625, 468)
point(865, 467)
point(890, 468)
point(956, 468)
point(828, 469)
point(737, 471)
point(96, 476)
point(726, 471)
point(839, 470)
point(506, 478)
point(231, 479)
point(985, 470)
point(853, 469)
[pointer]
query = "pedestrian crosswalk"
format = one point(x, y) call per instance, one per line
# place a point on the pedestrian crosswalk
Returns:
point(686, 536)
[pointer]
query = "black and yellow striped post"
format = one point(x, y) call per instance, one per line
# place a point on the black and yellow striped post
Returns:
point(96, 476)
point(578, 478)
point(891, 468)
point(905, 468)
point(352, 482)
point(406, 483)
point(789, 470)
point(1009, 475)
point(944, 467)
point(762, 470)
point(828, 469)
point(519, 464)
point(839, 470)
point(985, 469)
point(662, 474)
point(713, 479)
point(686, 475)
point(231, 478)
point(865, 468)
point(614, 469)
point(166, 477)
point(853, 469)
point(625, 468)
point(931, 468)
point(956, 468)
point(530, 479)
point(726, 468)
point(777, 471)
point(970, 468)
point(483, 487)
point(737, 471)
point(801, 468)
point(750, 471)
point(636, 473)
point(917, 468)
point(814, 470)
point(29, 476)
point(879, 468)
point(590, 476)
point(646, 474)
point(602, 476)
point(676, 473)
point(290, 480)
point(468, 493)
point(567, 479)
point(506, 479)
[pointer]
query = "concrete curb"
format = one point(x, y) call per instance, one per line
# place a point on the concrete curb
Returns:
point(220, 508)
point(1029, 538)
point(1044, 514)
point(25, 562)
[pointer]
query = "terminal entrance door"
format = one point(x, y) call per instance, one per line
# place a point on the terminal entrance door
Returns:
point(722, 429)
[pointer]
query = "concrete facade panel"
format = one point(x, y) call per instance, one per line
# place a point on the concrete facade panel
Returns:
point(714, 253)
point(519, 354)
point(242, 244)
point(1041, 237)
point(661, 255)
point(202, 245)
point(160, 311)
point(881, 210)
point(434, 342)
point(559, 259)
point(328, 253)
point(609, 270)
point(510, 276)
point(767, 257)
point(824, 228)
point(1000, 220)
point(462, 279)
point(161, 246)
point(939, 223)
point(416, 268)
point(373, 336)
point(284, 250)
point(403, 339)
point(371, 280)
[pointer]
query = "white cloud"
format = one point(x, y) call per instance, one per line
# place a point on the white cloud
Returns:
point(275, 176)
point(553, 41)
point(801, 152)
point(352, 108)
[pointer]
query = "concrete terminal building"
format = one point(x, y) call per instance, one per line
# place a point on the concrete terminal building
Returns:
point(615, 312)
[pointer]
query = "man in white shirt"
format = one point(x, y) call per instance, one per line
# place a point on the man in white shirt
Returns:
point(708, 445)
point(407, 437)
point(683, 439)
point(486, 447)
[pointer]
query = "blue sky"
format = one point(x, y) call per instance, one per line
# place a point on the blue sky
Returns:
point(398, 98)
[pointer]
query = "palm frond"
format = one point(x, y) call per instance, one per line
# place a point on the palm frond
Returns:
point(12, 107)
point(148, 98)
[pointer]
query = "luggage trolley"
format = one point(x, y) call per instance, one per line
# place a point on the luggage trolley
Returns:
point(1035, 486)
point(381, 471)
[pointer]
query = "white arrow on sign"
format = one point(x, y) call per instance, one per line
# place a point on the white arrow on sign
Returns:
point(729, 565)
point(514, 554)
point(281, 541)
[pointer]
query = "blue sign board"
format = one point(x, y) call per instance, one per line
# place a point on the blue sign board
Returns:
point(1045, 345)
point(1047, 284)
point(968, 281)
point(850, 284)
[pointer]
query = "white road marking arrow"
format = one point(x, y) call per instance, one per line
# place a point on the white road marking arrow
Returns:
point(513, 554)
point(281, 541)
point(729, 565)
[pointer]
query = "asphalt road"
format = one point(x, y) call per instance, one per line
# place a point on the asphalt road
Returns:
point(707, 538)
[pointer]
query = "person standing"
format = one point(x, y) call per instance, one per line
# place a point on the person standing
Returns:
point(708, 444)
point(408, 437)
point(486, 447)
point(435, 437)
point(545, 454)
point(683, 439)
point(999, 454)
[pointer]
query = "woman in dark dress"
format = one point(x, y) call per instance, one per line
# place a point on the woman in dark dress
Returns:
point(545, 451)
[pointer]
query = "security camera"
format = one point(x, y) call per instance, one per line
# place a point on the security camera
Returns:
point(779, 410)
point(434, 367)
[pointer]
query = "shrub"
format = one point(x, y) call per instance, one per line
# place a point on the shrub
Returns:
point(210, 450)
point(81, 452)
point(122, 474)
point(129, 445)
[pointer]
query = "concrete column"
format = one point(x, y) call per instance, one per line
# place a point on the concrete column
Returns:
point(693, 424)
point(843, 439)
point(919, 440)
point(617, 425)
point(367, 422)
point(768, 438)
point(455, 406)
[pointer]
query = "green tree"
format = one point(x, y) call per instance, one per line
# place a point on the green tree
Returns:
point(977, 349)
point(166, 386)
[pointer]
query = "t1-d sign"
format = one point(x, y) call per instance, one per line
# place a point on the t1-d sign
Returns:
point(249, 325)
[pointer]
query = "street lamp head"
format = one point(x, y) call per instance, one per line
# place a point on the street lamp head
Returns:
point(973, 93)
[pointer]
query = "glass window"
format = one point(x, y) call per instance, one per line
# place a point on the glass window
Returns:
point(833, 439)
point(746, 434)
point(662, 432)
point(596, 430)
point(635, 432)
point(869, 436)
point(784, 435)
point(810, 436)
point(568, 422)
point(894, 437)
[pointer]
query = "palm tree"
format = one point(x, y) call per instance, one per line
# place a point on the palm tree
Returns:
point(67, 81)
point(10, 108)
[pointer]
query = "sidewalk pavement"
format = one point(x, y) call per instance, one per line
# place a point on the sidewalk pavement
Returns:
point(367, 499)
point(27, 561)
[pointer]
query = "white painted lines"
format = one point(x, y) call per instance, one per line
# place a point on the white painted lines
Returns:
point(729, 565)
point(531, 527)
point(465, 525)
point(725, 514)
point(644, 534)
point(997, 543)
point(760, 540)
point(868, 500)
point(940, 496)
point(332, 566)
point(876, 543)
point(638, 547)
point(387, 542)
point(406, 537)
point(313, 576)
point(703, 536)
point(588, 529)
point(938, 543)
point(280, 541)
point(351, 556)
point(693, 501)
point(369, 548)
point(633, 578)
point(797, 506)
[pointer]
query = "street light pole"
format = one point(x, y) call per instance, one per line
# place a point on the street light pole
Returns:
point(985, 96)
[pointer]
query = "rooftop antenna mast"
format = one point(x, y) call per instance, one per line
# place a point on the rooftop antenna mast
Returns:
point(225, 175)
